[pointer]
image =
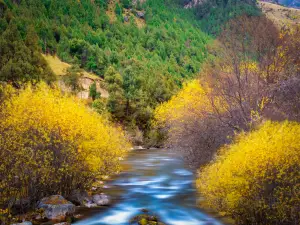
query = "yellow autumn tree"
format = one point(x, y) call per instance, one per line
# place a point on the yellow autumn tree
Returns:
point(191, 100)
point(51, 143)
point(256, 179)
point(191, 123)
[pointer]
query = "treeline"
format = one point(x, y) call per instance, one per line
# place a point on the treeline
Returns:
point(153, 61)
point(21, 60)
point(51, 143)
point(249, 168)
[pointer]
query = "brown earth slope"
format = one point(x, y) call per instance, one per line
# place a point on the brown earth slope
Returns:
point(281, 15)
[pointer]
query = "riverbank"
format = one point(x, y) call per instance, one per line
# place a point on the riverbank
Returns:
point(154, 184)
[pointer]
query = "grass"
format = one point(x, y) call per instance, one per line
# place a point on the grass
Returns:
point(58, 67)
point(281, 15)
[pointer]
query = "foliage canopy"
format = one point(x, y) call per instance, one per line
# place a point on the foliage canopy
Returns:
point(52, 143)
point(256, 179)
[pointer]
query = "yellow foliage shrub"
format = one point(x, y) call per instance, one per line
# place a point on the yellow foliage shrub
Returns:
point(51, 143)
point(191, 101)
point(192, 124)
point(256, 180)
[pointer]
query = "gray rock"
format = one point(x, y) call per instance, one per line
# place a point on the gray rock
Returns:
point(56, 207)
point(101, 199)
point(126, 19)
point(23, 223)
point(78, 216)
point(64, 223)
point(78, 197)
point(90, 204)
point(140, 15)
point(138, 148)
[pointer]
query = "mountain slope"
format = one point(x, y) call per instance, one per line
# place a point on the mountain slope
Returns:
point(281, 15)
point(288, 3)
point(152, 60)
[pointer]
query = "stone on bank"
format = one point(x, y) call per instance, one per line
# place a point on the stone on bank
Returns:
point(56, 207)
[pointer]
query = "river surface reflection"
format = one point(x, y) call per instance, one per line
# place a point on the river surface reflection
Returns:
point(155, 180)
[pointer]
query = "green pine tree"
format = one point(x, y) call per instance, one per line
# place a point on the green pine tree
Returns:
point(116, 100)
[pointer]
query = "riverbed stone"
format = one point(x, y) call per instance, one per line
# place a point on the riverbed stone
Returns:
point(90, 204)
point(146, 219)
point(56, 207)
point(101, 199)
point(145, 210)
point(64, 223)
point(78, 197)
point(23, 223)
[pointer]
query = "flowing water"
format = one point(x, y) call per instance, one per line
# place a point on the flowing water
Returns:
point(155, 180)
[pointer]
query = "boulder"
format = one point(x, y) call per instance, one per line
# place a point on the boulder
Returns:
point(56, 207)
point(146, 219)
point(64, 223)
point(78, 197)
point(90, 204)
point(101, 199)
point(23, 223)
point(126, 19)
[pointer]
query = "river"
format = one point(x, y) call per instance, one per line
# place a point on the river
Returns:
point(158, 181)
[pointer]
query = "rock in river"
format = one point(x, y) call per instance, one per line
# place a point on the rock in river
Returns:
point(101, 199)
point(90, 204)
point(64, 223)
point(56, 207)
point(23, 223)
point(146, 219)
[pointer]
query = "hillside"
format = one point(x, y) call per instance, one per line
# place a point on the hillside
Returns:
point(84, 82)
point(154, 46)
point(281, 15)
point(142, 52)
point(287, 3)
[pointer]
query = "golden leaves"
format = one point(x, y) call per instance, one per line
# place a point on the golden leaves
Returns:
point(260, 165)
point(46, 136)
point(191, 100)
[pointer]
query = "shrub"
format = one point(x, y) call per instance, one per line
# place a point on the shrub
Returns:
point(52, 144)
point(192, 125)
point(237, 90)
point(256, 179)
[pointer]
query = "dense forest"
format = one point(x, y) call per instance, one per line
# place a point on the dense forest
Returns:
point(216, 81)
point(153, 60)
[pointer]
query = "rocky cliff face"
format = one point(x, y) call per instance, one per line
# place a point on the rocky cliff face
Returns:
point(193, 3)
